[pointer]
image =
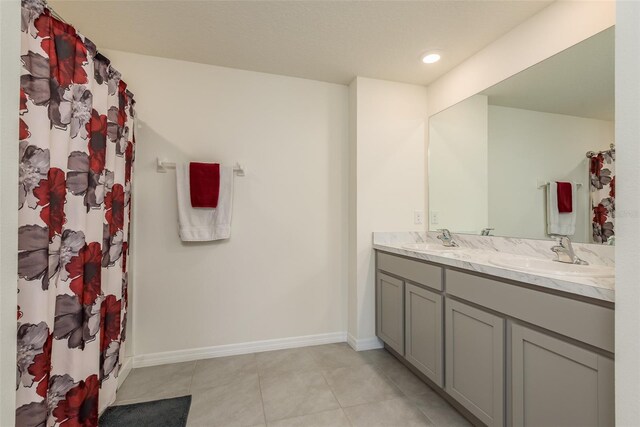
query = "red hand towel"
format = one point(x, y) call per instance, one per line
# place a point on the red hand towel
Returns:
point(204, 184)
point(565, 197)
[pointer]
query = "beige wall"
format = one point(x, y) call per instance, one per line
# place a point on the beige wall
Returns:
point(9, 96)
point(628, 214)
point(387, 182)
point(352, 292)
point(283, 273)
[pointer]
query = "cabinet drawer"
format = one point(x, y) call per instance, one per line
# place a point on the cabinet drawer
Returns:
point(557, 383)
point(415, 271)
point(589, 323)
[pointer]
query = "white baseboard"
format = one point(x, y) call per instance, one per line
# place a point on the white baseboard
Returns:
point(189, 355)
point(125, 370)
point(364, 344)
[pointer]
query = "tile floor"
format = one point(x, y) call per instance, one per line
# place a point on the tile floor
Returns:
point(328, 385)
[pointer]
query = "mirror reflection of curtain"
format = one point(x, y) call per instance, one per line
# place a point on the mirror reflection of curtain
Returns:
point(603, 195)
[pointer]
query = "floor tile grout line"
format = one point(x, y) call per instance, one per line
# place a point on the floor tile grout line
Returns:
point(395, 382)
point(390, 379)
point(425, 415)
point(375, 401)
point(308, 414)
point(337, 400)
point(414, 404)
point(412, 398)
point(321, 373)
point(396, 385)
point(264, 411)
point(193, 372)
point(424, 411)
point(409, 398)
point(388, 400)
point(347, 417)
point(331, 390)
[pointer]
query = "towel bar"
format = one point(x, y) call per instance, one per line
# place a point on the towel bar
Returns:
point(543, 184)
point(163, 165)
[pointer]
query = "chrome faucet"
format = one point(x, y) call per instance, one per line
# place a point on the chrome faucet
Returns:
point(447, 238)
point(564, 251)
point(486, 231)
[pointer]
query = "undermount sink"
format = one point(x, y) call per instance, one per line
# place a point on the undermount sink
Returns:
point(431, 247)
point(535, 265)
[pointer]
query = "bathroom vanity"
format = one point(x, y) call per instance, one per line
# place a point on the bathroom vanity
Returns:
point(504, 332)
point(508, 347)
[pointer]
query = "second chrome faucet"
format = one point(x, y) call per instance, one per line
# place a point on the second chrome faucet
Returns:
point(564, 251)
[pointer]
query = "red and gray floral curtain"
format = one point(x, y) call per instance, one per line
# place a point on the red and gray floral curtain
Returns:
point(603, 195)
point(76, 158)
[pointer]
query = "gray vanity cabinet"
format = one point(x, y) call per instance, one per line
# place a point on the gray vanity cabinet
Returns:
point(475, 360)
point(390, 311)
point(423, 331)
point(422, 307)
point(557, 383)
point(508, 353)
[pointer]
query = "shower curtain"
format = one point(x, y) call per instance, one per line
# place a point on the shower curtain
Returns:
point(603, 195)
point(76, 158)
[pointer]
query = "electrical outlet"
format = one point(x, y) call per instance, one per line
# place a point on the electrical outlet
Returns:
point(418, 217)
point(434, 217)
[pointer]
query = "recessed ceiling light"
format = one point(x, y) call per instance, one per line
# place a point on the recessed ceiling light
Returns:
point(431, 57)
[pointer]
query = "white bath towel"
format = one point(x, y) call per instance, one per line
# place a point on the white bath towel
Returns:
point(563, 224)
point(203, 224)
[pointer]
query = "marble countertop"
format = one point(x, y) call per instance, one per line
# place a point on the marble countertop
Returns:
point(478, 252)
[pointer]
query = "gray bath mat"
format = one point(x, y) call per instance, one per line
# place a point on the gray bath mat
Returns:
point(157, 413)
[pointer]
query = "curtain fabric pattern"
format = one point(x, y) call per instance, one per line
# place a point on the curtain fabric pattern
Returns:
point(76, 159)
point(603, 195)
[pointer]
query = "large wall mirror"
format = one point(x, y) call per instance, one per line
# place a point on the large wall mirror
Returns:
point(496, 158)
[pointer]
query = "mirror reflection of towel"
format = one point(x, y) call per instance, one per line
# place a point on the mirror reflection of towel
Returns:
point(559, 223)
point(565, 197)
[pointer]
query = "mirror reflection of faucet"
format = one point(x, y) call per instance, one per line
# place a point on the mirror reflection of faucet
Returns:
point(564, 251)
point(446, 238)
point(486, 231)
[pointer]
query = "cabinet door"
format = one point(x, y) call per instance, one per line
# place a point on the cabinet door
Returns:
point(390, 312)
point(557, 383)
point(423, 331)
point(475, 361)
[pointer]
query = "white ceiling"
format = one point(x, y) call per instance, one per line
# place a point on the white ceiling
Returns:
point(578, 82)
point(331, 41)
